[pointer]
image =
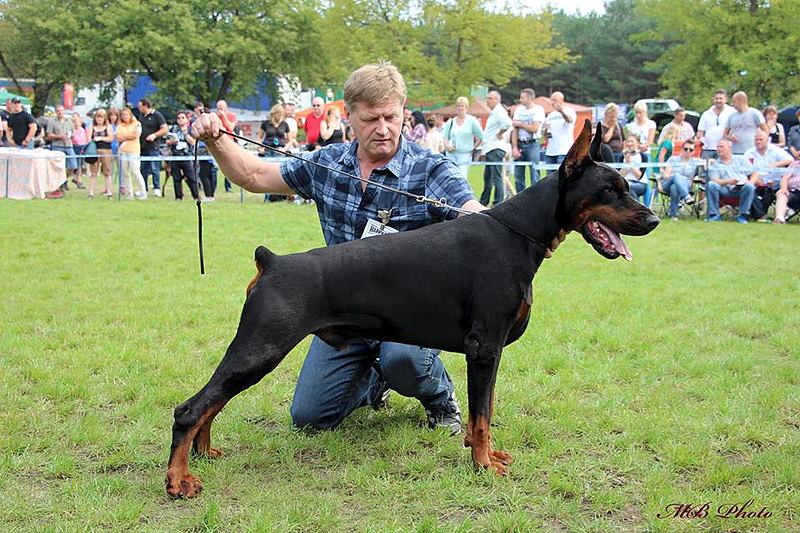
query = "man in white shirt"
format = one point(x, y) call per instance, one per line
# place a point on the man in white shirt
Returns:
point(769, 162)
point(559, 126)
point(685, 130)
point(528, 119)
point(711, 127)
point(494, 149)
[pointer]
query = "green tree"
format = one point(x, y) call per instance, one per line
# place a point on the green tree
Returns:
point(606, 61)
point(749, 45)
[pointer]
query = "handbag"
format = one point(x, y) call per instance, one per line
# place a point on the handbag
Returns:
point(91, 152)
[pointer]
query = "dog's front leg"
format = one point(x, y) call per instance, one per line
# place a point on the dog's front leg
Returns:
point(482, 362)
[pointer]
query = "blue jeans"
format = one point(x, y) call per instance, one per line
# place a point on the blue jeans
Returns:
point(744, 193)
point(637, 189)
point(151, 168)
point(334, 383)
point(71, 160)
point(493, 178)
point(554, 159)
point(530, 152)
point(678, 188)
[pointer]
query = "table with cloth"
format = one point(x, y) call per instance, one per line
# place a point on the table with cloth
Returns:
point(26, 174)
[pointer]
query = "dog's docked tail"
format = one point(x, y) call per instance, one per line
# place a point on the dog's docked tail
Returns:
point(263, 258)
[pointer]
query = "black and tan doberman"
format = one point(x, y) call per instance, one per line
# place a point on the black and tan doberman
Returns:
point(462, 286)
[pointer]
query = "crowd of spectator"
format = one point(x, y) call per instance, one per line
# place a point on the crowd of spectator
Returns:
point(742, 153)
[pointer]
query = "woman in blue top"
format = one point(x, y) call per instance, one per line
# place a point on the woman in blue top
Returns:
point(461, 135)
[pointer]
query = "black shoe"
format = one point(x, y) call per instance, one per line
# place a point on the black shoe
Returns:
point(447, 417)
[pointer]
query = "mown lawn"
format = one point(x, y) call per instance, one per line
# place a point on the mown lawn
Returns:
point(671, 379)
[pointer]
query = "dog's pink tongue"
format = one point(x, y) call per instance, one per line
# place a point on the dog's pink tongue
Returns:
point(618, 243)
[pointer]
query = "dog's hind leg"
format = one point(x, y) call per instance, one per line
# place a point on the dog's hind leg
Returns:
point(483, 360)
point(260, 345)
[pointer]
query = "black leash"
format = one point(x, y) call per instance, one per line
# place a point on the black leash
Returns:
point(442, 203)
point(199, 210)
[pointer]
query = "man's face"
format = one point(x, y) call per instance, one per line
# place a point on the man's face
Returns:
point(687, 149)
point(289, 109)
point(724, 149)
point(222, 105)
point(60, 112)
point(524, 99)
point(491, 100)
point(317, 104)
point(679, 117)
point(556, 98)
point(142, 108)
point(377, 127)
point(761, 140)
point(739, 104)
point(720, 100)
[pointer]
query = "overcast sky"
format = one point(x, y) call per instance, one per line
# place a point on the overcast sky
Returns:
point(569, 6)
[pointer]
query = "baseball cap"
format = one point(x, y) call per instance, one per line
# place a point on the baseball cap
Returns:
point(16, 100)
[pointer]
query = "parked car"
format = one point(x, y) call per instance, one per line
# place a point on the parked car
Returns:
point(788, 117)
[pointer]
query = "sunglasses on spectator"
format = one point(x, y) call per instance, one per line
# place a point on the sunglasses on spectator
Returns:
point(688, 148)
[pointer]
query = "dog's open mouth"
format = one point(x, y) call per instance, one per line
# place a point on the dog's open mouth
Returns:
point(605, 240)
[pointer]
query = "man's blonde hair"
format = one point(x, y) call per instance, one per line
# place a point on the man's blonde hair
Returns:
point(374, 84)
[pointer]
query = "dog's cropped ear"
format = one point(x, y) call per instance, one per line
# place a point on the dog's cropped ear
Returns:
point(597, 140)
point(578, 156)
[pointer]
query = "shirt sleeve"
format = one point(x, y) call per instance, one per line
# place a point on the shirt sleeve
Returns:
point(477, 131)
point(445, 182)
point(299, 175)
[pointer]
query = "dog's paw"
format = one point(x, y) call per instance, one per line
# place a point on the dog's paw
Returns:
point(214, 453)
point(184, 486)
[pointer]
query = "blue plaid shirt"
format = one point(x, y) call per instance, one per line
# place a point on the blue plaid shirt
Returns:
point(344, 208)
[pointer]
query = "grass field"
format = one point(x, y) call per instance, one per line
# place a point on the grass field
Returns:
point(669, 380)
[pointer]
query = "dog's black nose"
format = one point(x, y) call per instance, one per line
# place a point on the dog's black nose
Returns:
point(652, 222)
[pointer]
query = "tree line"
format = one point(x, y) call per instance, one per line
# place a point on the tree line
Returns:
point(213, 50)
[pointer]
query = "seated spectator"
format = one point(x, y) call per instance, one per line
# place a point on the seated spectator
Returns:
point(777, 135)
point(788, 202)
point(677, 178)
point(730, 176)
point(631, 161)
point(769, 161)
point(665, 144)
point(793, 139)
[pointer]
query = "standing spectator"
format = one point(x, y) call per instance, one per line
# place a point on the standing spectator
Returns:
point(79, 142)
point(291, 141)
point(493, 149)
point(711, 127)
point(777, 135)
point(631, 161)
point(4, 121)
point(462, 134)
point(129, 132)
point(643, 128)
point(433, 137)
point(60, 137)
point(154, 126)
point(730, 176)
point(788, 194)
point(231, 124)
point(684, 130)
point(793, 139)
point(418, 129)
point(180, 142)
point(20, 126)
point(742, 124)
point(273, 132)
point(112, 115)
point(769, 161)
point(331, 130)
point(612, 131)
point(527, 122)
point(677, 178)
point(408, 123)
point(558, 126)
point(313, 121)
point(102, 134)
